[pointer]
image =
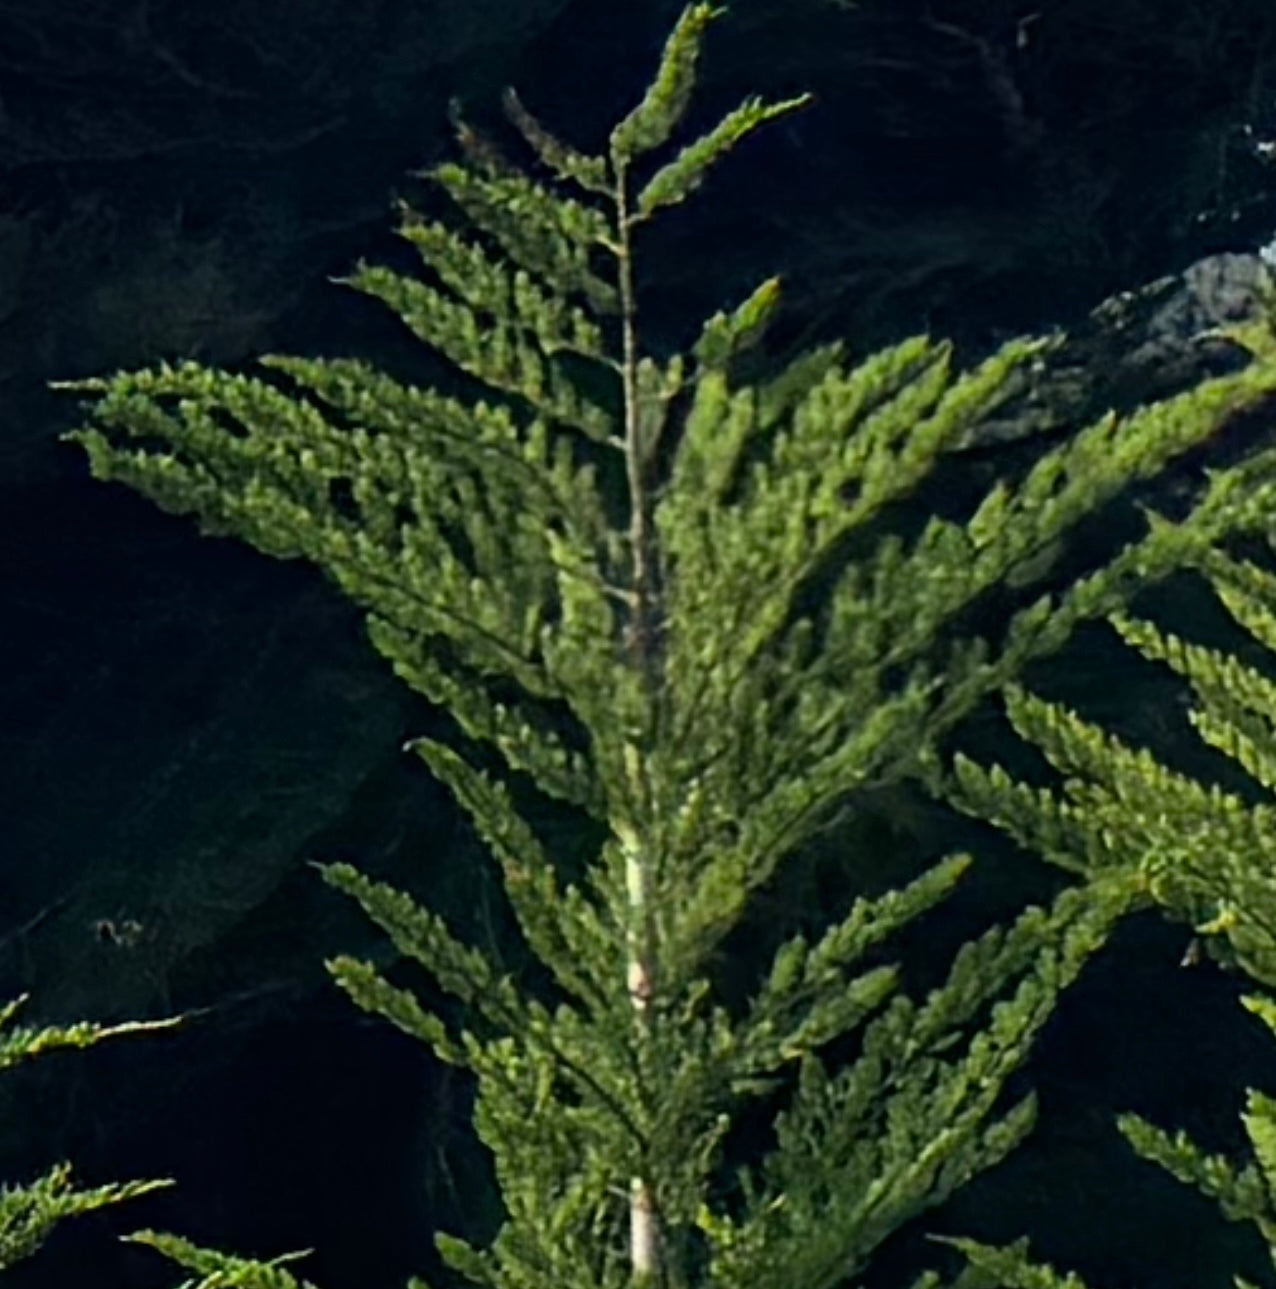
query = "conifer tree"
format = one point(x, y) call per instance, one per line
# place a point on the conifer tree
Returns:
point(709, 678)
point(29, 1213)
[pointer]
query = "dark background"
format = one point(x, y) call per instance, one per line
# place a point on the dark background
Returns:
point(183, 723)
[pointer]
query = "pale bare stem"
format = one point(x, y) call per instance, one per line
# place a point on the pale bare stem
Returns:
point(644, 1233)
point(644, 1212)
point(644, 1224)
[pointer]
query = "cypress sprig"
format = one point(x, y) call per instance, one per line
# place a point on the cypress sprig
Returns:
point(668, 674)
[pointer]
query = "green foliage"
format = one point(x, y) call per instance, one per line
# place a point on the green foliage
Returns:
point(861, 1153)
point(29, 1213)
point(1244, 1192)
point(654, 119)
point(223, 1269)
point(1203, 854)
point(1010, 1266)
point(671, 679)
